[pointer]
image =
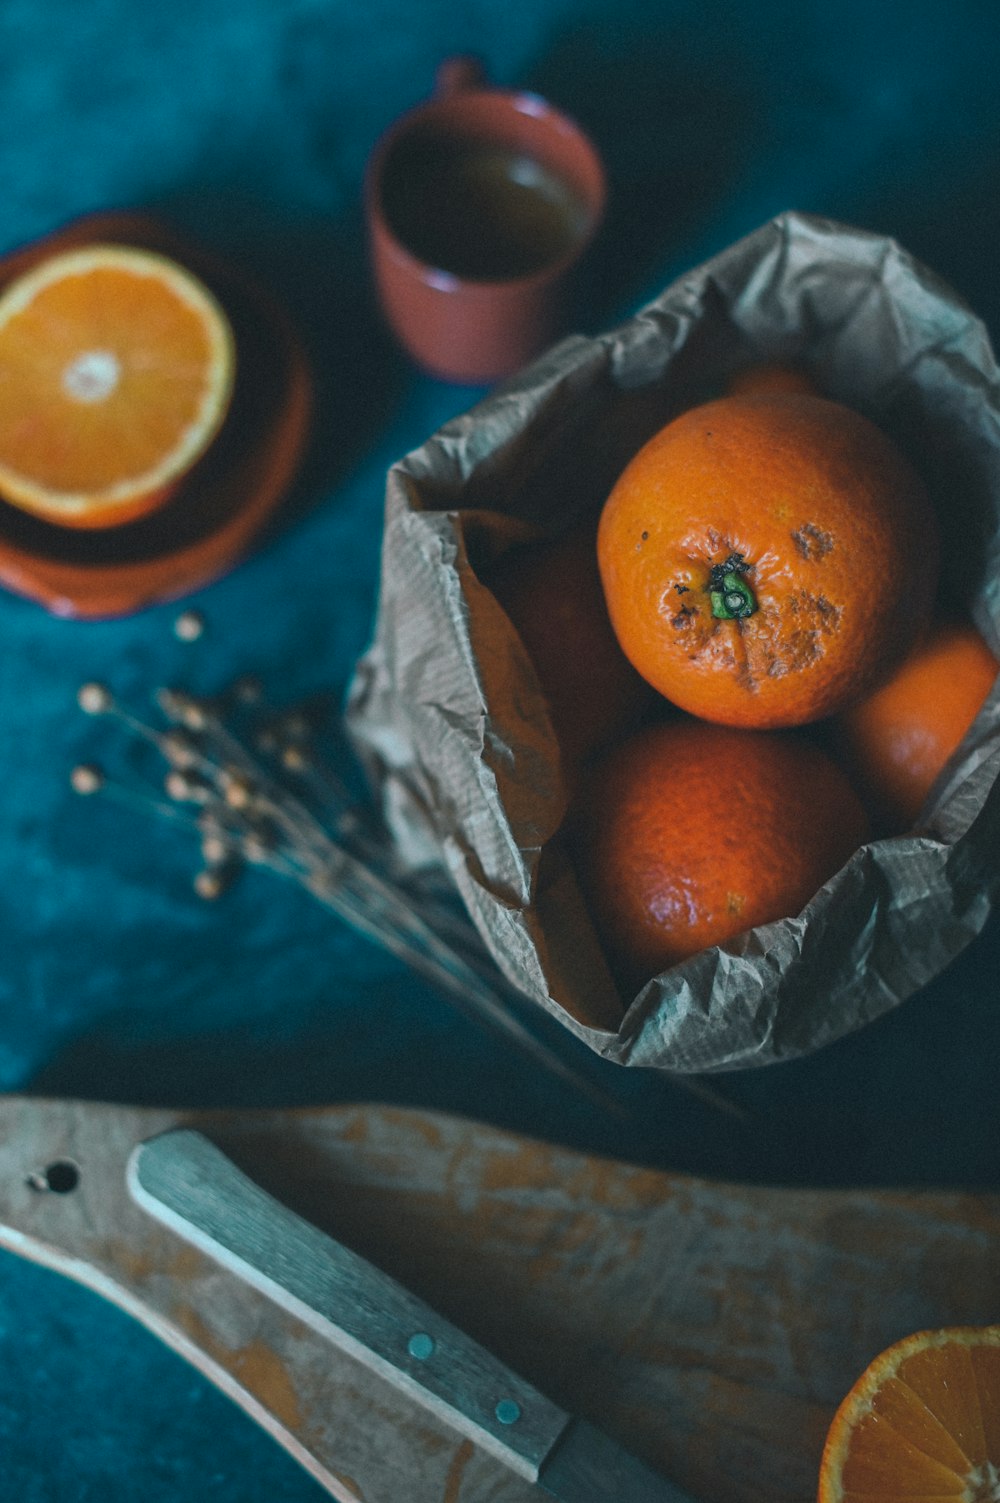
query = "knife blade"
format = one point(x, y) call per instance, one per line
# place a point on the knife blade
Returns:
point(587, 1466)
point(186, 1182)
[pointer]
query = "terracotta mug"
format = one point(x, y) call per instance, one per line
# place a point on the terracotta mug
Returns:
point(480, 203)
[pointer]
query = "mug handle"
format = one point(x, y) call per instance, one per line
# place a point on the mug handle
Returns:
point(456, 74)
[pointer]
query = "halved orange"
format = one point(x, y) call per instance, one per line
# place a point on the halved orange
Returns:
point(116, 372)
point(922, 1421)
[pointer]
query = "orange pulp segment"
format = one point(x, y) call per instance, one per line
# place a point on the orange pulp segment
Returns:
point(116, 372)
point(923, 1421)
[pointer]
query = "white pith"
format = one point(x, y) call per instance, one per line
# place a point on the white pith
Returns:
point(92, 376)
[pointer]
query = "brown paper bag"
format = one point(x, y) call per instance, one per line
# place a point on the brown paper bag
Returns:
point(449, 720)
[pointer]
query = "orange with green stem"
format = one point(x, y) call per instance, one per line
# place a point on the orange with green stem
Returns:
point(768, 559)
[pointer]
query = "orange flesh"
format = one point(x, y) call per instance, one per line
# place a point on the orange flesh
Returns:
point(113, 379)
point(161, 349)
point(923, 1422)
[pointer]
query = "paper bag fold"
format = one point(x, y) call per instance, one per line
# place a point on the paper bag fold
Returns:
point(449, 720)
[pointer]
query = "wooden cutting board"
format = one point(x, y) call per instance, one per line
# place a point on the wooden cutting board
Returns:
point(712, 1328)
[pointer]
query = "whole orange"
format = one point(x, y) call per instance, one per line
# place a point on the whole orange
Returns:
point(767, 559)
point(551, 590)
point(898, 739)
point(688, 833)
point(770, 375)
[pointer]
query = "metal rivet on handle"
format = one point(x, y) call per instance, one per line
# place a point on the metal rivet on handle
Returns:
point(420, 1346)
point(508, 1412)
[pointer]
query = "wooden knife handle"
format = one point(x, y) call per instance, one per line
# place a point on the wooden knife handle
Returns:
point(186, 1182)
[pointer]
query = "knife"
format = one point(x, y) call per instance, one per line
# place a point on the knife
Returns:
point(187, 1183)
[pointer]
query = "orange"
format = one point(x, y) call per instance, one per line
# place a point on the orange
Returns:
point(922, 1422)
point(551, 591)
point(689, 833)
point(768, 559)
point(897, 741)
point(116, 371)
point(770, 376)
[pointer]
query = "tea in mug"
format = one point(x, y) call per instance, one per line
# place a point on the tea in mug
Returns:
point(479, 210)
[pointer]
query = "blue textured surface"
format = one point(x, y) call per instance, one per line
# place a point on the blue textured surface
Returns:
point(250, 123)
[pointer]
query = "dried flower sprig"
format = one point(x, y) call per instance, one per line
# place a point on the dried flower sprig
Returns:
point(260, 795)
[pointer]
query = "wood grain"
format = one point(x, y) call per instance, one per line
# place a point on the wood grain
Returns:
point(710, 1328)
point(189, 1184)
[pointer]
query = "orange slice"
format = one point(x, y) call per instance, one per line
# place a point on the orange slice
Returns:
point(116, 372)
point(923, 1421)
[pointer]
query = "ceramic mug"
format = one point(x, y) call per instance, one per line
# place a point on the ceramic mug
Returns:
point(480, 203)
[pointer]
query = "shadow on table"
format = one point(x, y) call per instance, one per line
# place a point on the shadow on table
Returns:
point(910, 1100)
point(317, 268)
point(675, 138)
point(948, 218)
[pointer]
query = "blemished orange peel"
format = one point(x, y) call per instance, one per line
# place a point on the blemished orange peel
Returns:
point(117, 368)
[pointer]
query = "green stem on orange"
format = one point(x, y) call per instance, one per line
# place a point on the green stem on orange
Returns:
point(731, 596)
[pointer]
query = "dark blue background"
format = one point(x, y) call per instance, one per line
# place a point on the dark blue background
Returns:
point(249, 122)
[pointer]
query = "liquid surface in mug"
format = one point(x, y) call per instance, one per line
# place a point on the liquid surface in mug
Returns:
point(480, 211)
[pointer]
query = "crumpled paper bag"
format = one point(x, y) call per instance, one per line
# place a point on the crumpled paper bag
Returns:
point(446, 712)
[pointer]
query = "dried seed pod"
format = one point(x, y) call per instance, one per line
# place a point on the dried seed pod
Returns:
point(186, 789)
point(256, 849)
point(237, 789)
point(212, 882)
point(294, 759)
point(296, 726)
point(247, 690)
point(215, 848)
point(189, 626)
point(184, 708)
point(179, 750)
point(95, 699)
point(87, 778)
